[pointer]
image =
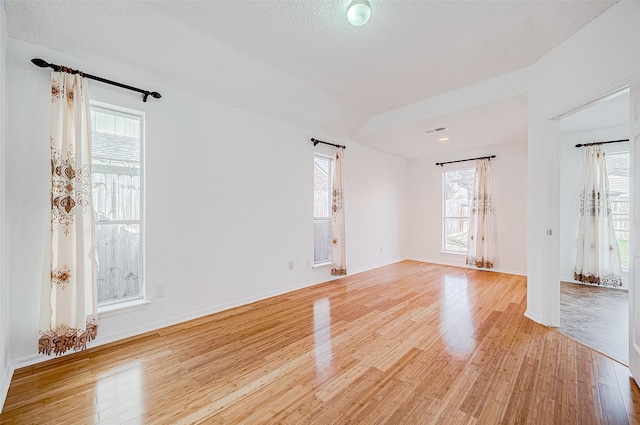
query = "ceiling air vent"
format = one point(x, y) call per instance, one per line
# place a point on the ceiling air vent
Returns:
point(434, 130)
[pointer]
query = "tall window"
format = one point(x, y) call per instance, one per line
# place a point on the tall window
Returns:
point(456, 193)
point(618, 176)
point(322, 171)
point(117, 201)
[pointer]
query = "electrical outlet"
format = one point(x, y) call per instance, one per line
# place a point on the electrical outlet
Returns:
point(290, 265)
point(380, 249)
point(159, 290)
point(307, 262)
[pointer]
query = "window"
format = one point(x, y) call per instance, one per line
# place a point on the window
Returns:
point(457, 191)
point(618, 177)
point(322, 172)
point(117, 193)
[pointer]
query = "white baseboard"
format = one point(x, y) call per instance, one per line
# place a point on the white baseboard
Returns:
point(533, 316)
point(7, 374)
point(150, 327)
point(464, 266)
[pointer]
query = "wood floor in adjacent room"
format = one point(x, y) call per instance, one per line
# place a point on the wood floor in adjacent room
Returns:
point(409, 343)
point(596, 316)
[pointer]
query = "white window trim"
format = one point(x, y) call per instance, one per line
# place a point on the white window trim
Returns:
point(112, 308)
point(324, 263)
point(443, 242)
point(108, 310)
point(622, 152)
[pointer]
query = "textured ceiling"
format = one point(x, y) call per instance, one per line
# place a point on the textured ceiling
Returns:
point(408, 51)
point(271, 57)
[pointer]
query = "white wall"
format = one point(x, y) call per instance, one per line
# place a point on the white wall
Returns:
point(508, 173)
point(570, 176)
point(5, 369)
point(228, 202)
point(376, 207)
point(600, 56)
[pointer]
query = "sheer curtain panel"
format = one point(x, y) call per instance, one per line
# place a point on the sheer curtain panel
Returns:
point(597, 258)
point(338, 246)
point(68, 316)
point(481, 238)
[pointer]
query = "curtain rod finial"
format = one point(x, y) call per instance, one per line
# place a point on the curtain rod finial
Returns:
point(40, 62)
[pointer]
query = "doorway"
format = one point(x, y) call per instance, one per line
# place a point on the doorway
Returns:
point(594, 315)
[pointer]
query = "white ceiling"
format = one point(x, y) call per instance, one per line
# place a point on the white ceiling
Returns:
point(408, 51)
point(497, 123)
point(301, 62)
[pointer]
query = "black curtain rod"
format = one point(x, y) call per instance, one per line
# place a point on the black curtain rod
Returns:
point(145, 93)
point(579, 145)
point(463, 160)
point(316, 141)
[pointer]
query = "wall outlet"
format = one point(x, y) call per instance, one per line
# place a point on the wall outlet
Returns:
point(159, 288)
point(290, 265)
point(307, 262)
point(380, 249)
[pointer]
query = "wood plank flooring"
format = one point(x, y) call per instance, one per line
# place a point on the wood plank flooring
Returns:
point(409, 343)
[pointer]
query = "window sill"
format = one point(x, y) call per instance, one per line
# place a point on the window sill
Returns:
point(121, 308)
point(321, 265)
point(452, 253)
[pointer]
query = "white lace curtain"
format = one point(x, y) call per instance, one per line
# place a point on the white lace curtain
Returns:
point(68, 313)
point(338, 246)
point(481, 222)
point(598, 258)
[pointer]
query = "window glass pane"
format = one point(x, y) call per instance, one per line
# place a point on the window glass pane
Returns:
point(119, 265)
point(456, 231)
point(618, 177)
point(321, 187)
point(116, 196)
point(322, 241)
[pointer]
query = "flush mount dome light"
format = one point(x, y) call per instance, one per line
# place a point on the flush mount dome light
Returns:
point(359, 12)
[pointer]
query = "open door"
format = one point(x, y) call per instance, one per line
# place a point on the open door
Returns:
point(634, 249)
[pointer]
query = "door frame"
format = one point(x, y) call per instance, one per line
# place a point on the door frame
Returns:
point(551, 275)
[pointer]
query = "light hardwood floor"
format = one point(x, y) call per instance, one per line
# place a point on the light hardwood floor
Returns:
point(410, 343)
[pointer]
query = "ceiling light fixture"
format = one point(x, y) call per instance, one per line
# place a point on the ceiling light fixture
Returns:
point(359, 12)
point(444, 139)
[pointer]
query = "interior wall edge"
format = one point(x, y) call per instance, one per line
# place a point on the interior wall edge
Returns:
point(7, 376)
point(375, 266)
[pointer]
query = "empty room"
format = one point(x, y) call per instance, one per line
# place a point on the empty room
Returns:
point(318, 212)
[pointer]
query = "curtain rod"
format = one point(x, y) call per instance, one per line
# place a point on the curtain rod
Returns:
point(463, 160)
point(44, 64)
point(579, 145)
point(316, 141)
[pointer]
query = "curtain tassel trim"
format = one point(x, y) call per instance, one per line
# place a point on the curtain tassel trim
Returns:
point(612, 280)
point(338, 271)
point(480, 263)
point(64, 338)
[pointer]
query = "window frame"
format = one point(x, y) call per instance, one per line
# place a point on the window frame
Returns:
point(142, 298)
point(329, 218)
point(628, 219)
point(443, 239)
